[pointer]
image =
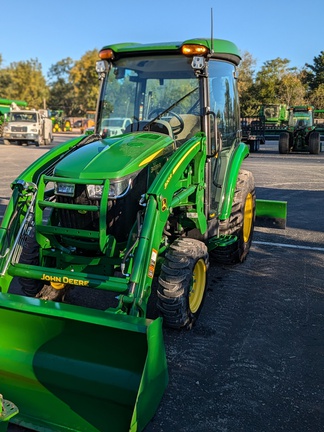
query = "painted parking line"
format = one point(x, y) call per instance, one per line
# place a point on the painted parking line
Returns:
point(289, 246)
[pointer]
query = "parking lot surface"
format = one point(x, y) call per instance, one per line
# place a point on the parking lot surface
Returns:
point(254, 362)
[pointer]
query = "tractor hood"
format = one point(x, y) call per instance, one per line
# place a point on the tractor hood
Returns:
point(114, 157)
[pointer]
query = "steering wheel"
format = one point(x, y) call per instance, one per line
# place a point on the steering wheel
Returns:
point(175, 129)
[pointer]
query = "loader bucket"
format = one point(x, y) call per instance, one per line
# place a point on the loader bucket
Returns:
point(70, 368)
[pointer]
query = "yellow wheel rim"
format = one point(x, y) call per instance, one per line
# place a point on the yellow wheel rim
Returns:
point(198, 285)
point(248, 218)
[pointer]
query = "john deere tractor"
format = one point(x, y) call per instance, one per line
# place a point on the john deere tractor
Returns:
point(111, 214)
point(301, 134)
point(59, 121)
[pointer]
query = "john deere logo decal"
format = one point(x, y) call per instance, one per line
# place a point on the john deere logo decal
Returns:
point(64, 280)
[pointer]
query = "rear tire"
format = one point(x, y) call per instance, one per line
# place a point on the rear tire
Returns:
point(240, 223)
point(30, 255)
point(284, 143)
point(254, 146)
point(48, 140)
point(314, 142)
point(40, 142)
point(182, 283)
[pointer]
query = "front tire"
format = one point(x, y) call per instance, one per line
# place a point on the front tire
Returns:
point(240, 223)
point(314, 142)
point(254, 146)
point(30, 256)
point(6, 142)
point(182, 283)
point(284, 143)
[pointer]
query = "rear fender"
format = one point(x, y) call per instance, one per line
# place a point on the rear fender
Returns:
point(230, 180)
point(268, 213)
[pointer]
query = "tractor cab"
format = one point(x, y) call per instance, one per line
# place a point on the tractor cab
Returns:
point(178, 93)
point(301, 117)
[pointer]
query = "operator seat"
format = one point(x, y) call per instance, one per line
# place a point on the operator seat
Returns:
point(191, 127)
point(160, 126)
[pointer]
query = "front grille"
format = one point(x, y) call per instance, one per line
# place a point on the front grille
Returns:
point(74, 218)
point(19, 128)
point(120, 213)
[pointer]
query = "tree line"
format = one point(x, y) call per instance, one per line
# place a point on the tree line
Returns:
point(73, 85)
point(278, 83)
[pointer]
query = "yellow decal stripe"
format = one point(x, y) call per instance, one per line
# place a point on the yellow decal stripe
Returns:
point(183, 157)
point(150, 158)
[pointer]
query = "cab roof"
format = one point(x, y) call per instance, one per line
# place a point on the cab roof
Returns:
point(218, 48)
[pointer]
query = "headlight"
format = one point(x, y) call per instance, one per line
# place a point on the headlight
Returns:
point(117, 189)
point(33, 130)
point(120, 188)
point(66, 189)
point(94, 191)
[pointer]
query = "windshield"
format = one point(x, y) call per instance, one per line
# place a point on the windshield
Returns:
point(23, 117)
point(113, 122)
point(142, 88)
point(300, 119)
point(271, 111)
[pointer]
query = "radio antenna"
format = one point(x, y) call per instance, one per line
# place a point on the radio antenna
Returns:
point(211, 30)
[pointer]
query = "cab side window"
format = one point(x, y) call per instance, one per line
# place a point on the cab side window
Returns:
point(224, 100)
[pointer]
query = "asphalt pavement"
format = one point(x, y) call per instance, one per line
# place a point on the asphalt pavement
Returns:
point(254, 362)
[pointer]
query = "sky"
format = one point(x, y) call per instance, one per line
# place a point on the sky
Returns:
point(52, 31)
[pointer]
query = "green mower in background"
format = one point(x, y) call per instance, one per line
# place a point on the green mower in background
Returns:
point(110, 214)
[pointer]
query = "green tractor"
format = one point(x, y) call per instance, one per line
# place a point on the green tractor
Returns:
point(301, 134)
point(113, 214)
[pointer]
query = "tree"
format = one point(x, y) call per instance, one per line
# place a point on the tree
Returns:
point(315, 73)
point(24, 80)
point(61, 88)
point(246, 87)
point(84, 78)
point(268, 80)
point(291, 89)
point(317, 97)
point(246, 72)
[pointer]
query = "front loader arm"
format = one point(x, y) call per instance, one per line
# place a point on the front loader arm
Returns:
point(24, 189)
point(179, 184)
